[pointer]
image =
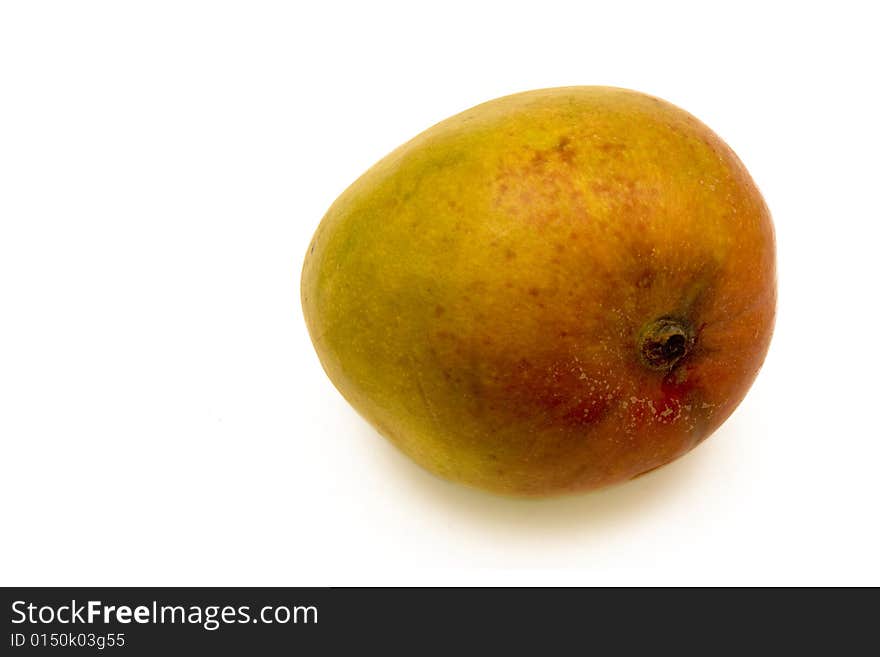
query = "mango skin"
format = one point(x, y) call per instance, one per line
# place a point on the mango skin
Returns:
point(478, 294)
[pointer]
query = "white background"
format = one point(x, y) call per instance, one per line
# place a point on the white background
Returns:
point(163, 416)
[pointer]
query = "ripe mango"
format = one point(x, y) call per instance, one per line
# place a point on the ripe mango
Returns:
point(550, 292)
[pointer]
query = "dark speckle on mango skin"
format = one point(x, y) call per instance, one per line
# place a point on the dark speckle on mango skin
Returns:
point(645, 279)
point(478, 295)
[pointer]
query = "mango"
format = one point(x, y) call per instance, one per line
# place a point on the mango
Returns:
point(548, 293)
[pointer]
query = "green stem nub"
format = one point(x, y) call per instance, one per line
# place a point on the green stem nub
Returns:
point(664, 342)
